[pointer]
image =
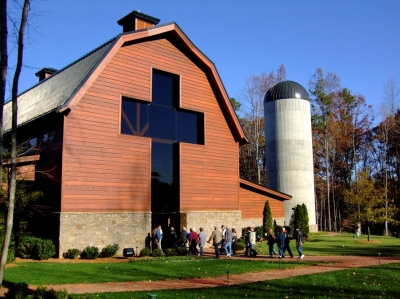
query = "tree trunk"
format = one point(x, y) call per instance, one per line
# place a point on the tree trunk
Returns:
point(368, 233)
point(12, 181)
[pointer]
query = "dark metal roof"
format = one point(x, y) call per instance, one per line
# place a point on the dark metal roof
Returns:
point(286, 90)
point(56, 90)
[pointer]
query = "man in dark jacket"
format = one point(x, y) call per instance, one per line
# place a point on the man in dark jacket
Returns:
point(173, 238)
point(299, 242)
point(183, 237)
point(287, 241)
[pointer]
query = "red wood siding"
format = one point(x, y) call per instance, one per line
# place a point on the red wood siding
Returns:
point(252, 205)
point(103, 170)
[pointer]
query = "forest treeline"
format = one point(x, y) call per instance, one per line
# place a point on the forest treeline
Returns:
point(356, 157)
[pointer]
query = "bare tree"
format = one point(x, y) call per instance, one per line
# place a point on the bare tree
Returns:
point(252, 100)
point(13, 172)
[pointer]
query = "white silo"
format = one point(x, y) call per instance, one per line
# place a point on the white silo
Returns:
point(288, 146)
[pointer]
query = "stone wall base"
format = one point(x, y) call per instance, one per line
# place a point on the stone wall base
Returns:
point(79, 230)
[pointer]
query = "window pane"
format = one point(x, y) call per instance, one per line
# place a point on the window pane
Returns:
point(164, 181)
point(162, 122)
point(134, 118)
point(165, 90)
point(189, 127)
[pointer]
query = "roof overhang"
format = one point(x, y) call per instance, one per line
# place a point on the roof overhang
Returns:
point(265, 191)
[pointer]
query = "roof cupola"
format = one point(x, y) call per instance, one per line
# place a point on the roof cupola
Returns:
point(136, 21)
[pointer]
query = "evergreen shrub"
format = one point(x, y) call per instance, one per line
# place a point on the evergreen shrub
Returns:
point(44, 249)
point(72, 253)
point(44, 293)
point(157, 252)
point(145, 252)
point(109, 250)
point(182, 251)
point(170, 252)
point(35, 248)
point(17, 291)
point(90, 253)
point(240, 245)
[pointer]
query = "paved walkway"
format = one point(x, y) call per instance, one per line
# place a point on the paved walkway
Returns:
point(335, 263)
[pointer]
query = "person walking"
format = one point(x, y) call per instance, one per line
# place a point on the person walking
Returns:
point(234, 240)
point(183, 238)
point(216, 237)
point(252, 241)
point(173, 238)
point(193, 240)
point(202, 241)
point(299, 242)
point(287, 241)
point(280, 240)
point(271, 242)
point(228, 242)
point(159, 236)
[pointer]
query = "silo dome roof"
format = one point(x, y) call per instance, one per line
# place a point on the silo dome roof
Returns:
point(286, 90)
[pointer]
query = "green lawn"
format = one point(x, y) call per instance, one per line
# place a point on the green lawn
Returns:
point(64, 273)
point(345, 244)
point(372, 282)
point(360, 283)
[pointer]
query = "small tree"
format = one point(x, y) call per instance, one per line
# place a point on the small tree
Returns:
point(267, 218)
point(367, 203)
point(300, 219)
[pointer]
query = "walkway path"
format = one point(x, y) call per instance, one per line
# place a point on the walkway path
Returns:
point(336, 263)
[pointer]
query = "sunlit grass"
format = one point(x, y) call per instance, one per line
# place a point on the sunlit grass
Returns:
point(359, 283)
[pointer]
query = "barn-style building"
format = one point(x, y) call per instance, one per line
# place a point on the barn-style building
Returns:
point(138, 132)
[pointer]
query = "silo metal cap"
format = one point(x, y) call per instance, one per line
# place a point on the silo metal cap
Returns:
point(286, 90)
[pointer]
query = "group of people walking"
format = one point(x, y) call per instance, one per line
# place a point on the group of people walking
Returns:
point(282, 239)
point(224, 241)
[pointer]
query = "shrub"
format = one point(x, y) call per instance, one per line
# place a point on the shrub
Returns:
point(145, 252)
point(25, 248)
point(157, 252)
point(240, 245)
point(44, 249)
point(17, 291)
point(170, 252)
point(182, 251)
point(72, 253)
point(90, 252)
point(43, 292)
point(109, 250)
point(35, 248)
point(267, 218)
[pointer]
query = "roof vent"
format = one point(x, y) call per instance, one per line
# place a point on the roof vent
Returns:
point(136, 21)
point(45, 73)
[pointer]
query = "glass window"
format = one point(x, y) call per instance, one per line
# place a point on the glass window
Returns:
point(164, 177)
point(165, 89)
point(134, 118)
point(162, 122)
point(190, 127)
point(32, 142)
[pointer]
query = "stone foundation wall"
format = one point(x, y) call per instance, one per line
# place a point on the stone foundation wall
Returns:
point(79, 230)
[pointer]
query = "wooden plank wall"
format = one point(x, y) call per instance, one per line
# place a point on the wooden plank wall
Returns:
point(104, 170)
point(252, 205)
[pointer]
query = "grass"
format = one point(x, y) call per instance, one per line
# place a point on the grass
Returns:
point(42, 273)
point(359, 283)
point(345, 244)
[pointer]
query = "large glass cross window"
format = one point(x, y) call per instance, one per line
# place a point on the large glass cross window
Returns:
point(167, 124)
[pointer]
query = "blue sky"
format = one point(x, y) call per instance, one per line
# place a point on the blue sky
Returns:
point(359, 41)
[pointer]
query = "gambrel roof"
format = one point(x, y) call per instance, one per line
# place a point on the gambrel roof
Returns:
point(64, 89)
